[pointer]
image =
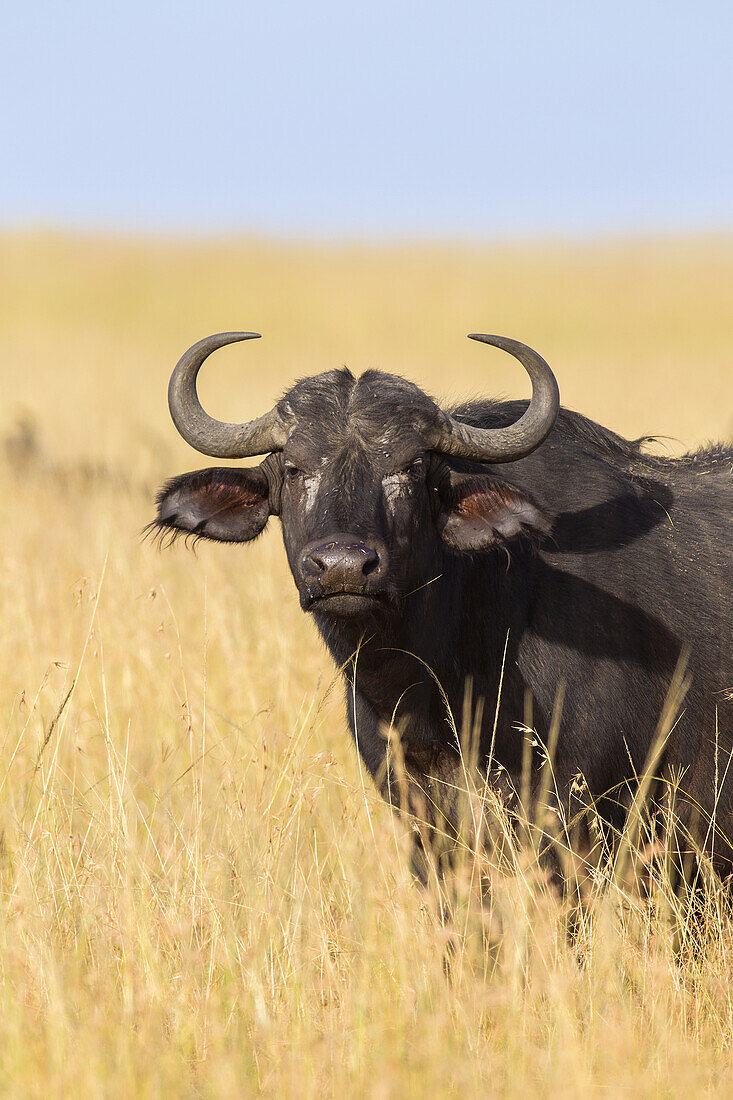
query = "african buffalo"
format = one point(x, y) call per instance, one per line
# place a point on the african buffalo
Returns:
point(517, 547)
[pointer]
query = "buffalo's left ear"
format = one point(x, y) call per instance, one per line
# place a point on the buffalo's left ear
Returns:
point(224, 504)
point(478, 512)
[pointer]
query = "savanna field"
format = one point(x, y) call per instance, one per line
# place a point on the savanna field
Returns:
point(200, 892)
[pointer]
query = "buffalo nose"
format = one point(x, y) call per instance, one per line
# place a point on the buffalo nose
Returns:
point(339, 566)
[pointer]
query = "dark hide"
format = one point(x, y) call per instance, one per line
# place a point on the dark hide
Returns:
point(591, 563)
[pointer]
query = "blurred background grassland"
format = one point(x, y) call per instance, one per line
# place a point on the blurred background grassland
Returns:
point(200, 893)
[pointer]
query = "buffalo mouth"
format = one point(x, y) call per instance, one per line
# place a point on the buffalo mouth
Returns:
point(346, 605)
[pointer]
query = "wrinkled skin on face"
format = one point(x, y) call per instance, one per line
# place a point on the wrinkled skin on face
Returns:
point(356, 468)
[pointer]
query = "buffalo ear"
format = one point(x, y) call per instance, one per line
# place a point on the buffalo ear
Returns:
point(478, 512)
point(224, 504)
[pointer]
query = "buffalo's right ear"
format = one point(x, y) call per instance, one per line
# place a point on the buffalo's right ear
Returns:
point(224, 504)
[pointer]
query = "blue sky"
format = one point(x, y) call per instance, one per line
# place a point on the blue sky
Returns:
point(493, 119)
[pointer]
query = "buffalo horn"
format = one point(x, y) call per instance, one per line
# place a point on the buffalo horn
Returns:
point(215, 437)
point(516, 440)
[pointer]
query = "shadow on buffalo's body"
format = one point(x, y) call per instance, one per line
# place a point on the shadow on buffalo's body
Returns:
point(505, 543)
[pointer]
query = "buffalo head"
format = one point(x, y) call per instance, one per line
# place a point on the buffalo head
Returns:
point(363, 475)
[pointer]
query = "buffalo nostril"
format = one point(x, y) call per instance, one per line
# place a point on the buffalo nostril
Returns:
point(371, 563)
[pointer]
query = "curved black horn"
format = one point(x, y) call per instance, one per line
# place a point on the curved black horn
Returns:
point(516, 440)
point(210, 436)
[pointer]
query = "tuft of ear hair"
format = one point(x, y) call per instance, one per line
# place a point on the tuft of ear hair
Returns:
point(481, 512)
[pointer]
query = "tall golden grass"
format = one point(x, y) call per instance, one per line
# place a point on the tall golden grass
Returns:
point(201, 892)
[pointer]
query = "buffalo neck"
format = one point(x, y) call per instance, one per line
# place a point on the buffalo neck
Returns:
point(463, 626)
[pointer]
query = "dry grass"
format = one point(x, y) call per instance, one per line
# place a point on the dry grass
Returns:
point(200, 893)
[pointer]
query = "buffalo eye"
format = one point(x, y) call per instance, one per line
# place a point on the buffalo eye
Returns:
point(292, 472)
